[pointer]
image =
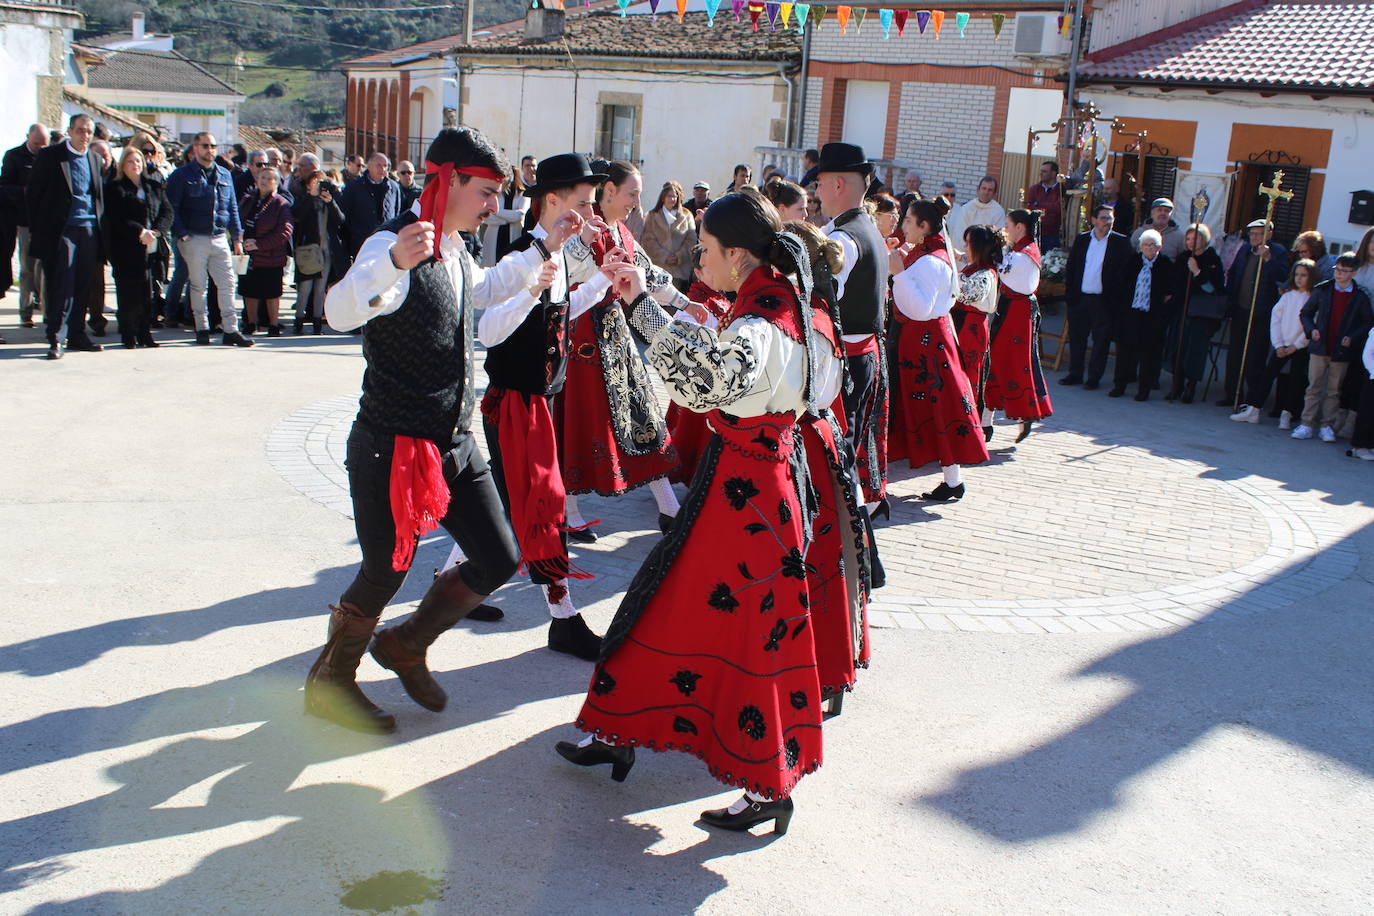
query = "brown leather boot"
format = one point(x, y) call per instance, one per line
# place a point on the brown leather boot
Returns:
point(331, 688)
point(402, 648)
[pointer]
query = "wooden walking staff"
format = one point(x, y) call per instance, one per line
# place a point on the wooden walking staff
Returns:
point(1274, 193)
point(1197, 210)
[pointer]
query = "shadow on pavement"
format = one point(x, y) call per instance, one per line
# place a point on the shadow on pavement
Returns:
point(1299, 673)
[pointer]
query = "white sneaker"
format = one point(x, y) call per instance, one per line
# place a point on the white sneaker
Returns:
point(1364, 454)
point(1302, 432)
point(1286, 420)
point(1327, 434)
point(1246, 414)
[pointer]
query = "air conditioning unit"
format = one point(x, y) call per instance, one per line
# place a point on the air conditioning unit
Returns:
point(1038, 35)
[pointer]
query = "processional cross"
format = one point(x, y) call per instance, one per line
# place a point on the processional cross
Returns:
point(1274, 193)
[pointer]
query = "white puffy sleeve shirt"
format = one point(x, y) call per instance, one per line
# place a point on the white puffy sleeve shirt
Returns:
point(979, 290)
point(747, 369)
point(923, 291)
point(1020, 273)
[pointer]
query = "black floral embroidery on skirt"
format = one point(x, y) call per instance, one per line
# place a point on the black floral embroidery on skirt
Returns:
point(794, 565)
point(685, 726)
point(799, 700)
point(784, 511)
point(751, 722)
point(739, 490)
point(774, 637)
point(686, 681)
point(791, 751)
point(721, 599)
point(603, 684)
point(767, 603)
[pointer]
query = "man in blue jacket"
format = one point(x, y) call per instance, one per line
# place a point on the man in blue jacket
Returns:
point(205, 224)
point(370, 200)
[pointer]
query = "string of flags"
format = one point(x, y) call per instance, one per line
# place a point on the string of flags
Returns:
point(776, 12)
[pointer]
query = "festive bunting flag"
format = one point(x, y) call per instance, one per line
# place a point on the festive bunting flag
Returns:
point(803, 12)
point(755, 10)
point(622, 4)
point(922, 20)
point(653, 8)
point(786, 11)
point(712, 7)
point(771, 7)
point(681, 9)
point(859, 14)
point(817, 15)
point(843, 13)
point(997, 20)
point(885, 17)
point(961, 22)
point(901, 17)
point(937, 19)
point(737, 6)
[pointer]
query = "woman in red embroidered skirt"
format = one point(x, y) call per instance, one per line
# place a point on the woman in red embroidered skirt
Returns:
point(1016, 383)
point(712, 651)
point(939, 420)
point(688, 428)
point(977, 299)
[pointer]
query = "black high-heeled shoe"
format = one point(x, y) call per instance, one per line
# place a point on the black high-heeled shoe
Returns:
point(755, 813)
point(1025, 430)
point(884, 508)
point(582, 535)
point(665, 522)
point(621, 759)
point(944, 493)
point(987, 433)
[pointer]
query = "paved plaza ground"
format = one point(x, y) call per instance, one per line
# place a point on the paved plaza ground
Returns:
point(1130, 673)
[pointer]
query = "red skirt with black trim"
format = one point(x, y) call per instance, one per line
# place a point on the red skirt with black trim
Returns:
point(937, 417)
point(591, 457)
point(690, 435)
point(711, 652)
point(971, 332)
point(1016, 383)
point(839, 605)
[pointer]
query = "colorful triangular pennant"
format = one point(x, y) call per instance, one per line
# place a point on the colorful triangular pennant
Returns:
point(922, 20)
point(817, 15)
point(681, 9)
point(755, 11)
point(843, 13)
point(771, 7)
point(712, 7)
point(859, 14)
point(737, 7)
point(997, 20)
point(937, 19)
point(785, 10)
point(901, 16)
point(885, 17)
point(623, 4)
point(961, 22)
point(803, 13)
point(653, 8)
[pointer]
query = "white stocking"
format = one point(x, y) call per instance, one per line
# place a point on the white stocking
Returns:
point(559, 601)
point(573, 513)
point(952, 477)
point(987, 417)
point(455, 556)
point(664, 496)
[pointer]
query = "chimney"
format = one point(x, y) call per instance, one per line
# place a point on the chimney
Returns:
point(139, 33)
point(543, 24)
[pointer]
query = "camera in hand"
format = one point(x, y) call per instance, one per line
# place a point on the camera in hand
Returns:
point(328, 187)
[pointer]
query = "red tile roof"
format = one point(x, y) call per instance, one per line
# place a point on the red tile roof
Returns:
point(1281, 46)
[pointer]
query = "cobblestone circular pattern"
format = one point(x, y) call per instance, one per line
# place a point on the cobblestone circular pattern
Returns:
point(1066, 533)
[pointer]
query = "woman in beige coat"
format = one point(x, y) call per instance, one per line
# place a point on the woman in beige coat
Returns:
point(669, 234)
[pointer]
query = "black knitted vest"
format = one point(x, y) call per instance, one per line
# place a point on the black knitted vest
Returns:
point(865, 289)
point(534, 358)
point(418, 380)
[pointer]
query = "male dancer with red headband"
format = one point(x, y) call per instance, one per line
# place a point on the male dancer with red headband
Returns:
point(412, 462)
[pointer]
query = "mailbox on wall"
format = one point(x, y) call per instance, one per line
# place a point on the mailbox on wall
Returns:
point(1362, 208)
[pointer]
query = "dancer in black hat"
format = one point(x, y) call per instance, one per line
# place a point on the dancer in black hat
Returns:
point(412, 463)
point(527, 356)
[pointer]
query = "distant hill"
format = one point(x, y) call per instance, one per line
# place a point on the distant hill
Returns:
point(283, 45)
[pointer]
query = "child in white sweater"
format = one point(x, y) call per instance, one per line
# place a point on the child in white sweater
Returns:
point(1288, 341)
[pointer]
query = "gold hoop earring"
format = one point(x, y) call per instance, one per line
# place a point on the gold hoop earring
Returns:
point(734, 275)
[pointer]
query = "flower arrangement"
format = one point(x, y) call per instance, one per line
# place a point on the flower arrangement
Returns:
point(1054, 264)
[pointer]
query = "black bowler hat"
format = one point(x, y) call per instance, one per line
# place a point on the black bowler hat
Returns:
point(843, 157)
point(563, 171)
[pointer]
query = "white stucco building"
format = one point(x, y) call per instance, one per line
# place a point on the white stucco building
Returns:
point(684, 101)
point(34, 37)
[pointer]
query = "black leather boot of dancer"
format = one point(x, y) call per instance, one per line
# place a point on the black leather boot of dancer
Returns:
point(402, 648)
point(331, 688)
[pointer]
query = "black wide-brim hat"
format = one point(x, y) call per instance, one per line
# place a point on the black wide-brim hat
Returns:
point(563, 171)
point(843, 157)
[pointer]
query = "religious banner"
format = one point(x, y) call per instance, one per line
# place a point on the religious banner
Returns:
point(1209, 193)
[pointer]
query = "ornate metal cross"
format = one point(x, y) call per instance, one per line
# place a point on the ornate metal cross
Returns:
point(1273, 193)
